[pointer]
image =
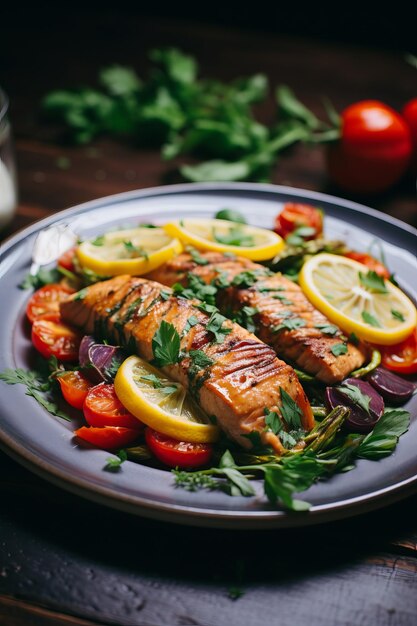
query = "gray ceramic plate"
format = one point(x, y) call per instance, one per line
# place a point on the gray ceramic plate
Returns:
point(45, 444)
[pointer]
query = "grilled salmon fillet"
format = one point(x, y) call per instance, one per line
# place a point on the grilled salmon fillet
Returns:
point(244, 379)
point(274, 308)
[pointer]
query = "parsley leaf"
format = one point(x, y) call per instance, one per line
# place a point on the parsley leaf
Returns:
point(339, 348)
point(236, 236)
point(43, 277)
point(135, 251)
point(292, 323)
point(114, 462)
point(356, 395)
point(290, 411)
point(245, 316)
point(98, 241)
point(245, 279)
point(196, 256)
point(192, 321)
point(215, 326)
point(370, 319)
point(397, 315)
point(373, 281)
point(327, 329)
point(166, 345)
point(353, 339)
point(273, 421)
point(197, 289)
point(199, 359)
point(383, 439)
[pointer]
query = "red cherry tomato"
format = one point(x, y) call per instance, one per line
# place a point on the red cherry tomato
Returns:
point(402, 357)
point(46, 300)
point(74, 387)
point(374, 149)
point(369, 261)
point(103, 408)
point(294, 215)
point(66, 260)
point(51, 337)
point(108, 437)
point(409, 113)
point(173, 453)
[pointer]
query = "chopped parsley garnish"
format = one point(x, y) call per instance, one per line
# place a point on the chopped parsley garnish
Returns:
point(156, 382)
point(80, 295)
point(43, 277)
point(356, 395)
point(236, 236)
point(200, 359)
point(221, 281)
point(207, 308)
point(165, 294)
point(98, 241)
point(383, 439)
point(215, 326)
point(113, 463)
point(192, 321)
point(135, 251)
point(290, 410)
point(339, 348)
point(245, 316)
point(283, 299)
point(197, 288)
point(353, 339)
point(397, 315)
point(166, 345)
point(327, 329)
point(373, 281)
point(291, 323)
point(245, 279)
point(370, 319)
point(297, 237)
point(196, 256)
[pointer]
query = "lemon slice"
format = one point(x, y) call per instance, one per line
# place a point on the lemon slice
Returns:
point(344, 291)
point(161, 403)
point(251, 242)
point(135, 251)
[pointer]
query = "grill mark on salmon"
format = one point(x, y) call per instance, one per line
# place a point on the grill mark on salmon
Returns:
point(245, 378)
point(285, 319)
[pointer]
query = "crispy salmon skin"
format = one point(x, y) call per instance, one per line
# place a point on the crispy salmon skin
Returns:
point(243, 379)
point(274, 308)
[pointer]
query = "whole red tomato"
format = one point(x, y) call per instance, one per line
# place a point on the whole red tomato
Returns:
point(374, 149)
point(409, 113)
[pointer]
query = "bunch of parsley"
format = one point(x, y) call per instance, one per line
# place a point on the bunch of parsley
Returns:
point(181, 113)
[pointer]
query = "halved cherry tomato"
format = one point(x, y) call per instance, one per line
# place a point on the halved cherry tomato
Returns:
point(74, 387)
point(409, 113)
point(51, 337)
point(108, 437)
point(103, 408)
point(402, 357)
point(66, 260)
point(373, 151)
point(46, 300)
point(173, 453)
point(294, 215)
point(370, 262)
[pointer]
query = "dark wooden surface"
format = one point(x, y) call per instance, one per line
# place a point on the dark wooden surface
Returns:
point(66, 561)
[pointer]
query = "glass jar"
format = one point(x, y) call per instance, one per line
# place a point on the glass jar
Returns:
point(8, 194)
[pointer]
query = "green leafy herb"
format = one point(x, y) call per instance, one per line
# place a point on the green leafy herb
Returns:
point(98, 241)
point(290, 411)
point(221, 281)
point(297, 237)
point(166, 345)
point(373, 281)
point(80, 295)
point(192, 321)
point(38, 385)
point(327, 329)
point(339, 348)
point(200, 360)
point(197, 289)
point(114, 463)
point(245, 317)
point(135, 251)
point(43, 277)
point(215, 326)
point(291, 323)
point(397, 315)
point(273, 421)
point(356, 395)
point(165, 294)
point(231, 215)
point(383, 440)
point(245, 279)
point(196, 256)
point(370, 319)
point(235, 237)
point(353, 339)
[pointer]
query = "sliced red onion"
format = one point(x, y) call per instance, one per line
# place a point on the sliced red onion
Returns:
point(392, 388)
point(360, 419)
point(105, 360)
point(86, 342)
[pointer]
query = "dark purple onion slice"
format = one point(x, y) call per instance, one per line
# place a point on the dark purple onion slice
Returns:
point(359, 419)
point(392, 388)
point(85, 344)
point(105, 360)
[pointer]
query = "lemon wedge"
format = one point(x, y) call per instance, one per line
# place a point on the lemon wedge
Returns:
point(251, 242)
point(356, 300)
point(134, 251)
point(161, 403)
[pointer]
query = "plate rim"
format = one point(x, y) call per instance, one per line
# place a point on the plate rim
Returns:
point(194, 515)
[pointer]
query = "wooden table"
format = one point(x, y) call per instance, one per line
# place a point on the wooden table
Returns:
point(66, 561)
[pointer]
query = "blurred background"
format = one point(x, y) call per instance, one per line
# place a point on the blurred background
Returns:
point(342, 53)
